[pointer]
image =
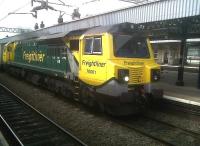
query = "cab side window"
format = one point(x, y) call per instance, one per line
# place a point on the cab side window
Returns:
point(9, 49)
point(97, 47)
point(93, 45)
point(88, 45)
point(74, 45)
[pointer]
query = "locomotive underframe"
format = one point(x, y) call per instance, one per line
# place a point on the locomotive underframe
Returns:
point(126, 103)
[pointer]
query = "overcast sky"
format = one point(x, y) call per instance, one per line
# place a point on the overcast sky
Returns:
point(50, 17)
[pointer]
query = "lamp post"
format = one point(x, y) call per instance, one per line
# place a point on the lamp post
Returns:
point(184, 26)
point(199, 76)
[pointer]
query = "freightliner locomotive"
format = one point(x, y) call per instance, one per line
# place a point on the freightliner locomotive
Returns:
point(110, 66)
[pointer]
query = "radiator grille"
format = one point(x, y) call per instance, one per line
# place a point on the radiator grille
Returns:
point(136, 75)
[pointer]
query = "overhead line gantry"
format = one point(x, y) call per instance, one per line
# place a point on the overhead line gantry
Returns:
point(14, 30)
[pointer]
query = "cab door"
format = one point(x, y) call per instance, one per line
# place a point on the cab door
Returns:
point(93, 62)
point(9, 53)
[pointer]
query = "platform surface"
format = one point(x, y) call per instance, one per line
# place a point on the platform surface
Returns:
point(189, 93)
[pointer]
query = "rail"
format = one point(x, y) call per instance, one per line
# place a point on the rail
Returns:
point(27, 126)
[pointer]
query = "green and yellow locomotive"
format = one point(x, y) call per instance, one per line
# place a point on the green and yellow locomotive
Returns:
point(113, 66)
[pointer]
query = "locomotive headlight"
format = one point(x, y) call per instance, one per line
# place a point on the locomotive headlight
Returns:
point(126, 78)
point(123, 75)
point(155, 75)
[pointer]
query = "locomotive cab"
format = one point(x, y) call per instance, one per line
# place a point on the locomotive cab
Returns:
point(119, 64)
point(136, 56)
point(8, 52)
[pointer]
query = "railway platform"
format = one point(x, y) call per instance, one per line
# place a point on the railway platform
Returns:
point(188, 94)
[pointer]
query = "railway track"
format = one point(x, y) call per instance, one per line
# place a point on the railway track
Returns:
point(23, 125)
point(179, 107)
point(163, 132)
point(166, 132)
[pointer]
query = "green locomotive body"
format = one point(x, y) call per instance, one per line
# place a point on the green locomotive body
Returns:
point(42, 56)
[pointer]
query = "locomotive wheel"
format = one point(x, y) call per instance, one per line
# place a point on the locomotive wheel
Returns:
point(101, 106)
point(91, 102)
point(86, 97)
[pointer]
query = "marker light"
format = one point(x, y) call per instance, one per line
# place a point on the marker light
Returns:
point(155, 75)
point(155, 78)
